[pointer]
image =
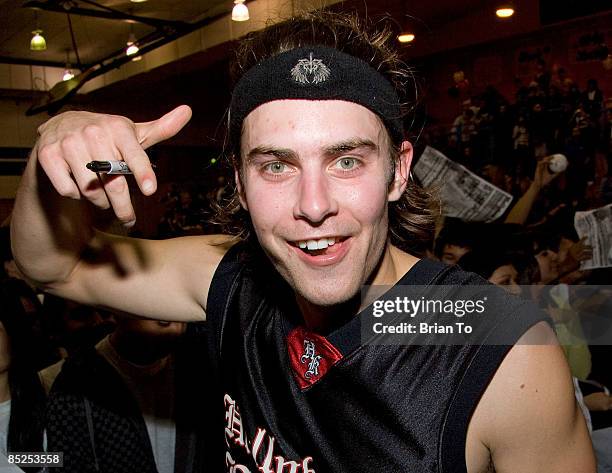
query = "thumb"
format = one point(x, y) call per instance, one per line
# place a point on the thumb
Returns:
point(150, 133)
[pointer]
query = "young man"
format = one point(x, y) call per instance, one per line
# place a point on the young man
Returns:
point(323, 203)
point(129, 404)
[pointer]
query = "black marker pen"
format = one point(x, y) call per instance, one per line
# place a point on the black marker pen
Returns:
point(109, 167)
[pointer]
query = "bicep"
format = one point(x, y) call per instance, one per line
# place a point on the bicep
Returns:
point(528, 417)
point(157, 279)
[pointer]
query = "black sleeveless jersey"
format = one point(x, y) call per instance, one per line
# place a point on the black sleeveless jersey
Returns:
point(367, 408)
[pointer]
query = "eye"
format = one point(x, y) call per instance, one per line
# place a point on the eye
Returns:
point(347, 164)
point(275, 168)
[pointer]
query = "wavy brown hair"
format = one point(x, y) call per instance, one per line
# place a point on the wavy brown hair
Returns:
point(412, 218)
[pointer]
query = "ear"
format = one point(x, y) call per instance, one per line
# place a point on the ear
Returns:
point(240, 189)
point(402, 171)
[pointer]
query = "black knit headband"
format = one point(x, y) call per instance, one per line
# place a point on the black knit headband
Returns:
point(316, 73)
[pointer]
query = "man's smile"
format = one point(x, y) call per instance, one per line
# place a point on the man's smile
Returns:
point(324, 251)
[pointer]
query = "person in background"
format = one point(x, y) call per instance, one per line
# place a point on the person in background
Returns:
point(592, 99)
point(72, 326)
point(496, 266)
point(455, 240)
point(22, 398)
point(41, 349)
point(129, 405)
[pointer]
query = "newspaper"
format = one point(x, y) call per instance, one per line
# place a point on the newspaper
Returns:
point(596, 226)
point(464, 194)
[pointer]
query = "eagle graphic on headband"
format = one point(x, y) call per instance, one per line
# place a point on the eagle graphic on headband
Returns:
point(310, 71)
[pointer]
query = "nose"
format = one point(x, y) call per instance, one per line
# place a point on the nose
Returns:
point(315, 201)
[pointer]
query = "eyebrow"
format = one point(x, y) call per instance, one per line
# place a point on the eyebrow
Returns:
point(350, 145)
point(332, 150)
point(280, 153)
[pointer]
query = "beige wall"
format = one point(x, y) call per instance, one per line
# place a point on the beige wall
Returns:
point(8, 186)
point(23, 77)
point(16, 131)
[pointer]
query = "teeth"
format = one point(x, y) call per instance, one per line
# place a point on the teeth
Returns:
point(320, 244)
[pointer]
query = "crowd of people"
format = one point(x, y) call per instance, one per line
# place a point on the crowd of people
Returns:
point(509, 143)
point(503, 139)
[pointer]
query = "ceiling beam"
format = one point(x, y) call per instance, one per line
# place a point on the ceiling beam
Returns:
point(108, 14)
point(33, 62)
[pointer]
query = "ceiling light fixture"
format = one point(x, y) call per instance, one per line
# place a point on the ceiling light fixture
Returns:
point(240, 12)
point(38, 42)
point(505, 11)
point(138, 1)
point(132, 47)
point(406, 38)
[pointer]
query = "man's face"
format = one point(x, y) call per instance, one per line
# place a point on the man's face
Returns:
point(315, 174)
point(506, 277)
point(549, 265)
point(453, 253)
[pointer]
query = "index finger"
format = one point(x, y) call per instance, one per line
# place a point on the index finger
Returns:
point(138, 161)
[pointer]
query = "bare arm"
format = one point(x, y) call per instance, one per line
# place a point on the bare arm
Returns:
point(528, 419)
point(53, 236)
point(165, 280)
point(520, 211)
